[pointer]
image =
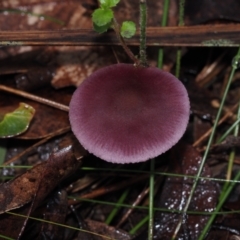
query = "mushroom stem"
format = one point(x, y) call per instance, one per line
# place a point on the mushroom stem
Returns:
point(124, 45)
point(143, 23)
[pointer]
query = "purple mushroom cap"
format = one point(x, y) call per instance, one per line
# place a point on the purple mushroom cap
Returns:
point(126, 114)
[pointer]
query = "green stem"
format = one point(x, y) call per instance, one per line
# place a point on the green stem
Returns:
point(234, 67)
point(236, 130)
point(117, 207)
point(222, 200)
point(59, 225)
point(139, 225)
point(5, 237)
point(151, 200)
point(162, 210)
point(123, 44)
point(236, 123)
point(3, 151)
point(164, 23)
point(231, 159)
point(230, 165)
point(180, 23)
point(143, 23)
point(181, 12)
point(178, 63)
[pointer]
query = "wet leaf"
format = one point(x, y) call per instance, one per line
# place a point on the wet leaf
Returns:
point(228, 143)
point(103, 229)
point(16, 122)
point(216, 10)
point(186, 160)
point(34, 79)
point(12, 225)
point(40, 180)
point(74, 64)
point(56, 211)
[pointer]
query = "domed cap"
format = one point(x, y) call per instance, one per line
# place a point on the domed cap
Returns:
point(127, 114)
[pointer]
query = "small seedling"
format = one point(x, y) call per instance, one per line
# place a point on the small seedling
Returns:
point(127, 113)
point(103, 19)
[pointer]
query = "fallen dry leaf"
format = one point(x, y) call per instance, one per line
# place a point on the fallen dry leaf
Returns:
point(37, 182)
point(228, 143)
point(104, 229)
point(55, 211)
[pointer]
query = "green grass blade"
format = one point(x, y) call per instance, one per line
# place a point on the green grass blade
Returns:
point(151, 200)
point(164, 23)
point(234, 67)
point(117, 207)
point(224, 197)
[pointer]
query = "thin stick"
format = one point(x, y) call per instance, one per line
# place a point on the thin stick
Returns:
point(29, 150)
point(123, 44)
point(216, 35)
point(229, 130)
point(35, 98)
point(140, 197)
point(223, 119)
point(60, 225)
point(143, 23)
point(111, 188)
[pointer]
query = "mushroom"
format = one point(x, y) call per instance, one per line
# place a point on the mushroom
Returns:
point(127, 114)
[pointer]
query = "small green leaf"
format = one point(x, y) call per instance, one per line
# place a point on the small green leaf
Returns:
point(16, 122)
point(128, 29)
point(108, 3)
point(101, 29)
point(102, 17)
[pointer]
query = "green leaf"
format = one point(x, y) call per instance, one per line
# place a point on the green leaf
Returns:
point(101, 29)
point(16, 122)
point(108, 3)
point(128, 29)
point(102, 17)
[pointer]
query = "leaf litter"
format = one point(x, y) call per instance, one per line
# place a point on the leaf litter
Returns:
point(39, 180)
point(186, 161)
point(36, 192)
